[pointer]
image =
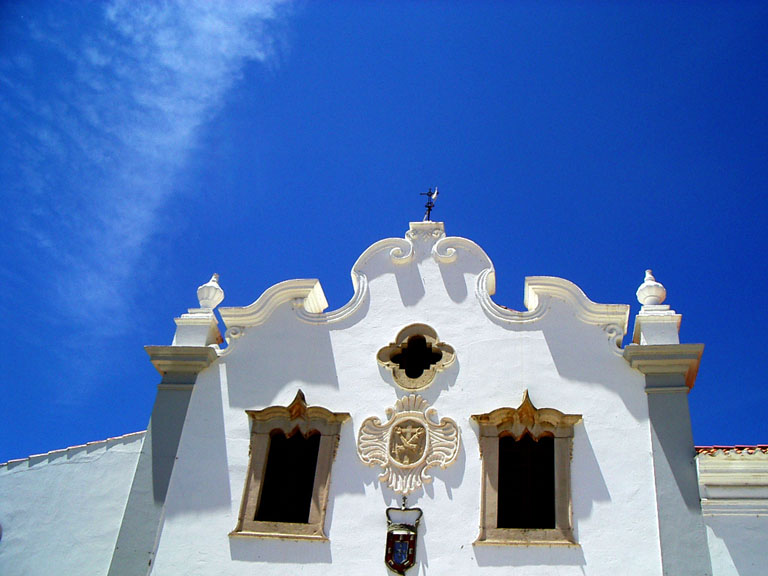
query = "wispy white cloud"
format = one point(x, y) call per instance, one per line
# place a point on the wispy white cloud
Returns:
point(94, 149)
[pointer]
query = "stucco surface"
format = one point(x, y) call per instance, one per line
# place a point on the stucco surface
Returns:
point(634, 497)
point(564, 362)
point(61, 512)
point(737, 544)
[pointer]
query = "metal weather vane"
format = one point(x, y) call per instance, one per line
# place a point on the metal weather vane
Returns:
point(431, 197)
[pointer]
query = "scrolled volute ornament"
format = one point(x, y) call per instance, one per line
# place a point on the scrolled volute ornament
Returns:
point(408, 444)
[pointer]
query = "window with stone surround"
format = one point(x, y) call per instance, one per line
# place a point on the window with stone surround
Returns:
point(526, 491)
point(288, 480)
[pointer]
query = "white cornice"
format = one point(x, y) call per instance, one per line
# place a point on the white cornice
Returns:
point(587, 311)
point(181, 359)
point(360, 286)
point(733, 483)
point(680, 359)
point(307, 295)
point(539, 290)
point(734, 507)
point(307, 292)
point(445, 250)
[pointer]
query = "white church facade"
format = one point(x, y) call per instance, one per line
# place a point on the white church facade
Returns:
point(419, 429)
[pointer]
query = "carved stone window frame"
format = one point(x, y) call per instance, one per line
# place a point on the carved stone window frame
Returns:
point(296, 418)
point(526, 419)
point(385, 354)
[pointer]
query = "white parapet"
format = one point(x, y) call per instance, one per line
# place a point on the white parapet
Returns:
point(733, 480)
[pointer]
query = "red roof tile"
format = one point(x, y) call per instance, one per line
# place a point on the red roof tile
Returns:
point(738, 449)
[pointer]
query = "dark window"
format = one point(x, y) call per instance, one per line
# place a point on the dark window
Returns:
point(289, 477)
point(526, 488)
point(417, 356)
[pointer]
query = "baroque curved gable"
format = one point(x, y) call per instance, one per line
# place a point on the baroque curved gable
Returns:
point(423, 241)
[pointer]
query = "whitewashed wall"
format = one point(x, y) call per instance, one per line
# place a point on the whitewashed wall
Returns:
point(60, 512)
point(737, 544)
point(564, 362)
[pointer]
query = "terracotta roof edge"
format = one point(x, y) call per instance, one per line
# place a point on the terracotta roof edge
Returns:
point(737, 448)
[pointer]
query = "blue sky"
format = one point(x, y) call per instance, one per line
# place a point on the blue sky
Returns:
point(146, 145)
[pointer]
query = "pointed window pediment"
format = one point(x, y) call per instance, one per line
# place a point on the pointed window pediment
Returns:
point(526, 492)
point(288, 479)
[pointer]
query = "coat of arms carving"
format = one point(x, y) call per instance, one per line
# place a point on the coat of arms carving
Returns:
point(409, 443)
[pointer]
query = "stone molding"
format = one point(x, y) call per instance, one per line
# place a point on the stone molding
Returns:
point(526, 418)
point(308, 300)
point(661, 359)
point(306, 293)
point(733, 483)
point(538, 422)
point(540, 290)
point(432, 443)
point(299, 418)
point(181, 359)
point(424, 240)
point(360, 287)
point(385, 354)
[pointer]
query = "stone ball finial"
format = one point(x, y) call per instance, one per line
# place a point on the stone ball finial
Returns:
point(210, 294)
point(650, 292)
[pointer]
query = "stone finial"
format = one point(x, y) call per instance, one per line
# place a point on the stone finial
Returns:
point(210, 294)
point(650, 292)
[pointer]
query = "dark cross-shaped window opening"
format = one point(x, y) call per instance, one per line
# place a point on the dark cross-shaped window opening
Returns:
point(416, 356)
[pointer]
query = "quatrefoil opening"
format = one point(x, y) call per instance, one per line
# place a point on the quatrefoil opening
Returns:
point(416, 356)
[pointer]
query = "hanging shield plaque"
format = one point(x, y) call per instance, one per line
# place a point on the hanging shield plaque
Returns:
point(401, 539)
